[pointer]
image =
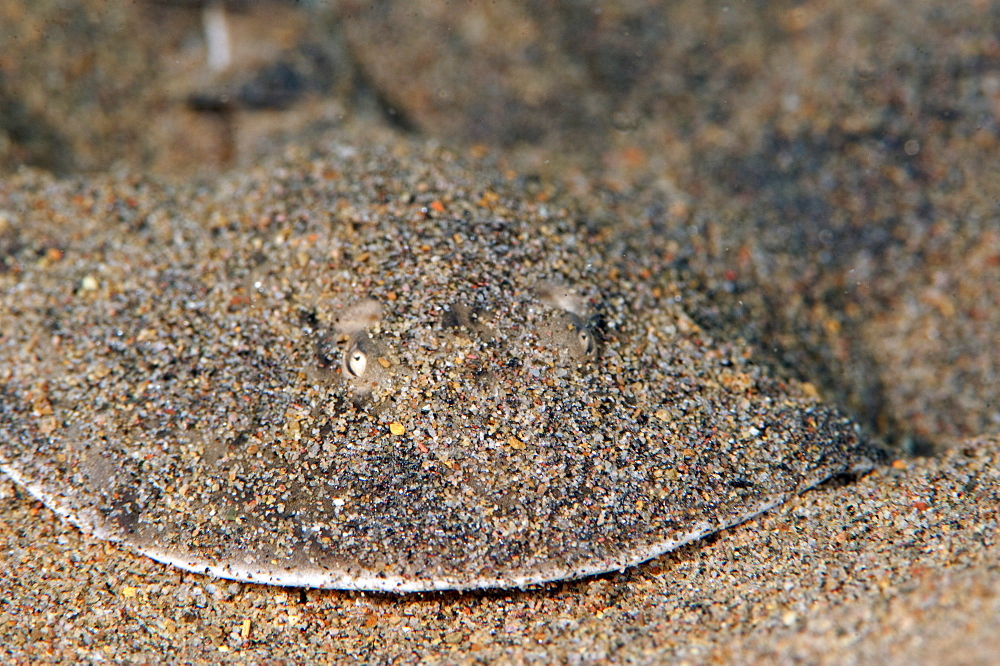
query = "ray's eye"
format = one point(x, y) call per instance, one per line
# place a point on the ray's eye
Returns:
point(356, 362)
point(586, 339)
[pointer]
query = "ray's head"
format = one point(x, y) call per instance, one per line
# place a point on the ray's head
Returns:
point(471, 352)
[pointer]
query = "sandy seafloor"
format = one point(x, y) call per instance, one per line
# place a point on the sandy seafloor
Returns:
point(881, 123)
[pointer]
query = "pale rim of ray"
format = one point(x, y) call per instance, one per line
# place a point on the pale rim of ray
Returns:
point(320, 579)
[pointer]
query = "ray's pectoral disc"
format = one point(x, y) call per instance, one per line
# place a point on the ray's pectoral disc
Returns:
point(382, 401)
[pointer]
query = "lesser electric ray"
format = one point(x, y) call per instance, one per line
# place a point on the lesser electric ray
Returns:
point(348, 372)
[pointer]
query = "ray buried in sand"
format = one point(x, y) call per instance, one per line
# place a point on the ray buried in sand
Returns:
point(340, 372)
